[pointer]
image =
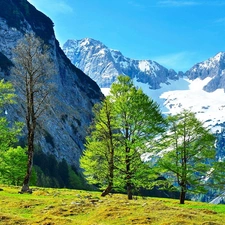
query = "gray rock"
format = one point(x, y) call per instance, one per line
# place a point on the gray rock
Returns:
point(214, 68)
point(104, 65)
point(63, 126)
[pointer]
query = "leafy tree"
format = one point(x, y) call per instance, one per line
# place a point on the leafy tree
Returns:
point(13, 166)
point(7, 94)
point(32, 71)
point(140, 122)
point(189, 153)
point(7, 134)
point(98, 157)
point(11, 158)
point(135, 121)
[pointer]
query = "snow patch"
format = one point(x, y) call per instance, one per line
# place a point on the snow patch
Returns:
point(181, 84)
point(102, 52)
point(124, 64)
point(209, 107)
point(144, 65)
point(85, 42)
point(105, 91)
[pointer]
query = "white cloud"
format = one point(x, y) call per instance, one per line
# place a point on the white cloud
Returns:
point(180, 61)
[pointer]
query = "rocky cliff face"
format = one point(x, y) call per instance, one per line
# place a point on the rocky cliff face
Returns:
point(103, 64)
point(213, 68)
point(63, 126)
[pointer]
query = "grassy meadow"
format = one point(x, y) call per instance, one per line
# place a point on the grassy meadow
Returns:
point(46, 206)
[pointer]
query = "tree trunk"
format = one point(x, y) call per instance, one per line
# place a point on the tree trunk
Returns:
point(111, 151)
point(182, 195)
point(111, 176)
point(128, 175)
point(26, 182)
point(107, 190)
point(129, 191)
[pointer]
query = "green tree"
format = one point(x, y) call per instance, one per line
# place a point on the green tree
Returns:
point(7, 133)
point(189, 153)
point(11, 163)
point(114, 149)
point(7, 95)
point(32, 72)
point(98, 159)
point(13, 166)
point(140, 122)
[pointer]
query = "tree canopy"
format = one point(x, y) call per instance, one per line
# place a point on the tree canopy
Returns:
point(188, 155)
point(11, 157)
point(125, 125)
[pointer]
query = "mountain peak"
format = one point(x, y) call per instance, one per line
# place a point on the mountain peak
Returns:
point(103, 64)
point(89, 41)
point(218, 57)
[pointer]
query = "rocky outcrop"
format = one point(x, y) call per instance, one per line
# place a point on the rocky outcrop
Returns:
point(103, 64)
point(63, 126)
point(213, 68)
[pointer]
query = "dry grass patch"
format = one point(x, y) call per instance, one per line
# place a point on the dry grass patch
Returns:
point(65, 207)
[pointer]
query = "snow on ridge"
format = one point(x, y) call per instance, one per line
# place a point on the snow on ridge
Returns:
point(114, 55)
point(155, 66)
point(84, 42)
point(144, 65)
point(105, 91)
point(181, 84)
point(198, 84)
point(148, 66)
point(211, 62)
point(181, 94)
point(124, 64)
point(219, 56)
point(209, 107)
point(102, 52)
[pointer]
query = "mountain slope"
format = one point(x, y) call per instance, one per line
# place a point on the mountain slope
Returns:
point(213, 68)
point(103, 64)
point(200, 89)
point(62, 128)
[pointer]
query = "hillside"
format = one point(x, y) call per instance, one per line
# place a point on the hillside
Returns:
point(64, 207)
point(62, 128)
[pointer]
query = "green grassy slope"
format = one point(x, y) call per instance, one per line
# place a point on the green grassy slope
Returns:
point(62, 206)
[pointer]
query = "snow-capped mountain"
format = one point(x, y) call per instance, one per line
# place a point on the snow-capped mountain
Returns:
point(213, 68)
point(200, 89)
point(203, 92)
point(103, 64)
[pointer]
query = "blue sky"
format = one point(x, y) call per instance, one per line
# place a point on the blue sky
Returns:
point(174, 33)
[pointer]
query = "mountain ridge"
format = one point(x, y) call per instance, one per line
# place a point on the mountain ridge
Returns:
point(198, 89)
point(103, 64)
